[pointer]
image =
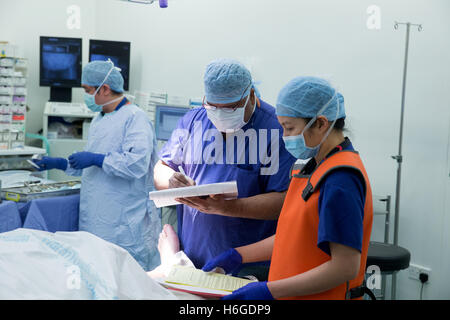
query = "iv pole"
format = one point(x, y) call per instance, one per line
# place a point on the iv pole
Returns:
point(399, 157)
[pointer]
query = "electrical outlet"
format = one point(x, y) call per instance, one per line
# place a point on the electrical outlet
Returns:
point(415, 271)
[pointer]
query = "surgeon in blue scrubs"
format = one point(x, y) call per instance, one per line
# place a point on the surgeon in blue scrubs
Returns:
point(201, 147)
point(116, 168)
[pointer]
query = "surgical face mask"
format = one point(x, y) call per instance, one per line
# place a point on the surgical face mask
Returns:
point(227, 121)
point(89, 99)
point(296, 145)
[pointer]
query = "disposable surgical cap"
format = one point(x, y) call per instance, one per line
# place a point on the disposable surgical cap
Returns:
point(303, 97)
point(227, 81)
point(95, 72)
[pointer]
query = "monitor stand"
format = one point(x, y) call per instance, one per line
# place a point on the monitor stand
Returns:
point(58, 94)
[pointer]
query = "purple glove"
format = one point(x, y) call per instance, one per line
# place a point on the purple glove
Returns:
point(229, 260)
point(82, 160)
point(48, 163)
point(252, 291)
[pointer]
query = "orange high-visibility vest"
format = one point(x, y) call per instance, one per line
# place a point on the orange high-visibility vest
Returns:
point(295, 248)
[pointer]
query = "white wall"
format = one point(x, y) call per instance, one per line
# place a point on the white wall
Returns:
point(282, 39)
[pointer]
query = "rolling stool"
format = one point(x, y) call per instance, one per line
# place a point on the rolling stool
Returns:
point(388, 257)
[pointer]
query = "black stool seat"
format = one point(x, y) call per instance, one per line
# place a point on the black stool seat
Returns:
point(387, 257)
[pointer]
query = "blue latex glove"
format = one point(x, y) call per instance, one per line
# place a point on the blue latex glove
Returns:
point(252, 291)
point(229, 260)
point(48, 163)
point(82, 160)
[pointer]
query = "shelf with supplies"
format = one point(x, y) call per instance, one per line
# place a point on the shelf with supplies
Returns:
point(13, 100)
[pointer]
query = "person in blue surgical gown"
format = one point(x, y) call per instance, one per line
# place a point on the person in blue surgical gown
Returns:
point(116, 168)
point(234, 136)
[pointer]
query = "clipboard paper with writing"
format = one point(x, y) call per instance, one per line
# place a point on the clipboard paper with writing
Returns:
point(207, 284)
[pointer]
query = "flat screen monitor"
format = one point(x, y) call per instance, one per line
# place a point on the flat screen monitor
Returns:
point(167, 118)
point(60, 66)
point(118, 52)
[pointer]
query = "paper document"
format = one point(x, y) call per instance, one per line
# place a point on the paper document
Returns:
point(205, 293)
point(198, 279)
point(164, 198)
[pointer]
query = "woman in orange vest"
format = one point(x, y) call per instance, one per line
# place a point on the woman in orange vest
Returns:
point(320, 247)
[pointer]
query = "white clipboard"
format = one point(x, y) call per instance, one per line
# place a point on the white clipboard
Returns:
point(164, 198)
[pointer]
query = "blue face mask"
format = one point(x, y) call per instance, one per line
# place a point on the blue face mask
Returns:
point(89, 99)
point(296, 145)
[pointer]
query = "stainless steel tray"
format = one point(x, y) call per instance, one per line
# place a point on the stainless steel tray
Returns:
point(38, 191)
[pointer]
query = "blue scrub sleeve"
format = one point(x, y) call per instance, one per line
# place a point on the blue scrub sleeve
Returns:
point(341, 210)
point(137, 147)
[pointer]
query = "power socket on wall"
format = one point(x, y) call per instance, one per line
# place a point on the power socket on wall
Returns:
point(415, 270)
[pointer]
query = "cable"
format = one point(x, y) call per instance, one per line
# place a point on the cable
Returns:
point(423, 277)
point(421, 291)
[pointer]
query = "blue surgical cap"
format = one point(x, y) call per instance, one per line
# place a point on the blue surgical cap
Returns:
point(303, 97)
point(227, 81)
point(95, 72)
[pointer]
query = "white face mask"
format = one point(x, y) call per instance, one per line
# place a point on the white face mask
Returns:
point(229, 122)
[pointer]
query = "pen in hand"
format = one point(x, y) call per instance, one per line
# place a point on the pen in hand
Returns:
point(190, 180)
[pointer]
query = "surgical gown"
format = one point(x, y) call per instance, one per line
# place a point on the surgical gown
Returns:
point(114, 203)
point(204, 236)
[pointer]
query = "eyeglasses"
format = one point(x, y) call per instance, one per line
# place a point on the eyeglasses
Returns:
point(228, 109)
